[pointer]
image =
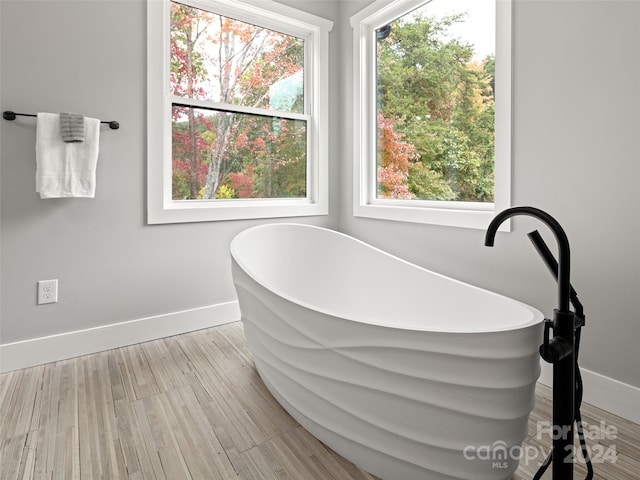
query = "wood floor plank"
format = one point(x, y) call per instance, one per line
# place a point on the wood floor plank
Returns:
point(186, 436)
point(20, 398)
point(166, 372)
point(193, 407)
point(137, 374)
point(7, 388)
point(127, 442)
point(12, 451)
point(257, 464)
point(210, 448)
point(144, 441)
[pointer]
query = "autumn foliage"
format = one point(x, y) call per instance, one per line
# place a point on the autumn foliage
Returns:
point(394, 160)
point(238, 89)
point(220, 151)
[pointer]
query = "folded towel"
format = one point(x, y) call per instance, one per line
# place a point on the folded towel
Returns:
point(65, 169)
point(72, 127)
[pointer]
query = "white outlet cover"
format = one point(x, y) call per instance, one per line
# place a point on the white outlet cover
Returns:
point(47, 291)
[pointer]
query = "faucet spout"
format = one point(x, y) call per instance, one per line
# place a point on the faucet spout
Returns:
point(564, 284)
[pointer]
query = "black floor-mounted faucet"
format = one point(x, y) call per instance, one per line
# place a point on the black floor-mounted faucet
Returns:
point(561, 349)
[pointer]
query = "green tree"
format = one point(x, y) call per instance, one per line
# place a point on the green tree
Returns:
point(442, 102)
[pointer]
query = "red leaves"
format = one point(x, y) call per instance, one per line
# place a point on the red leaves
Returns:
point(243, 182)
point(394, 159)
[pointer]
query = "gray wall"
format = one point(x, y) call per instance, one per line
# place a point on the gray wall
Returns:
point(575, 155)
point(576, 119)
point(90, 57)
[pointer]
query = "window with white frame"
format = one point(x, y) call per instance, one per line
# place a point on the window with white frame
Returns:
point(432, 92)
point(237, 110)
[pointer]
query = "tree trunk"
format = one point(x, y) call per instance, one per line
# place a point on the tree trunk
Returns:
point(218, 153)
point(193, 164)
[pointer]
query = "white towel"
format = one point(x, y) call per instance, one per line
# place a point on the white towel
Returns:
point(65, 169)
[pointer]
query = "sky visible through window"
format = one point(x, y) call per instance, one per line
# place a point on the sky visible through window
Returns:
point(481, 20)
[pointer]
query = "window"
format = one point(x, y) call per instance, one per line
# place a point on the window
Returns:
point(237, 111)
point(433, 111)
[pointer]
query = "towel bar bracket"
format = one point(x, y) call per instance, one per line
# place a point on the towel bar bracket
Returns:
point(9, 115)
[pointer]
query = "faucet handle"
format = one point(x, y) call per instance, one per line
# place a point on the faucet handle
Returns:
point(555, 349)
point(552, 264)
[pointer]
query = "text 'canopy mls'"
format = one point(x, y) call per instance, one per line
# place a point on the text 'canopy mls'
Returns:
point(221, 152)
point(436, 104)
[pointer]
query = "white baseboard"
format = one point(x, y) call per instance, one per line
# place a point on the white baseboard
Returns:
point(606, 393)
point(37, 351)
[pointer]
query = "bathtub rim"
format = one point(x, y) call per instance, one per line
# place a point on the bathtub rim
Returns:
point(536, 316)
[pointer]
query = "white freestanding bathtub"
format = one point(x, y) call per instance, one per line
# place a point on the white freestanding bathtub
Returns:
point(409, 374)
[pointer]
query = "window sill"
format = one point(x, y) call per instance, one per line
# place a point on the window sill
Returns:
point(467, 217)
point(224, 210)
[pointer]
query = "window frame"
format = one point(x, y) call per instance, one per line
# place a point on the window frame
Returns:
point(161, 208)
point(447, 213)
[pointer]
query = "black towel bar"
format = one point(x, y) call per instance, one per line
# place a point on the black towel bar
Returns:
point(9, 115)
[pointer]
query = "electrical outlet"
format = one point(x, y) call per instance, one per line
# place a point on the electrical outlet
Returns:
point(47, 291)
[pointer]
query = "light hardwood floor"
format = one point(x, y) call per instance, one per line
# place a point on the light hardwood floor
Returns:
point(193, 407)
